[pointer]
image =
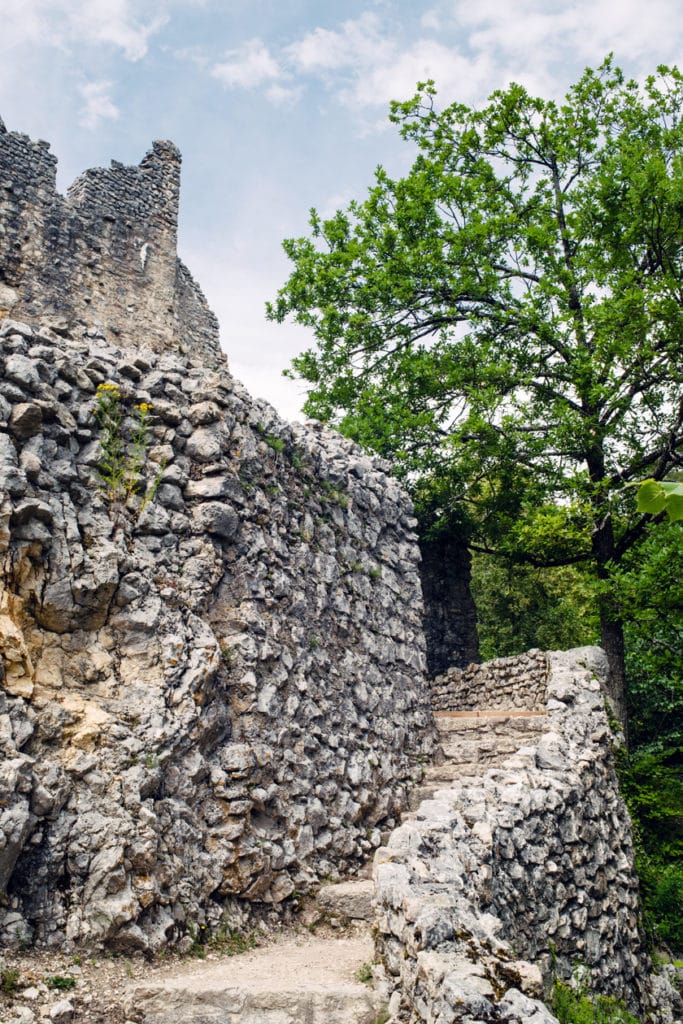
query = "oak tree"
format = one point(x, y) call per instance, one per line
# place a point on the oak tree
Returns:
point(505, 321)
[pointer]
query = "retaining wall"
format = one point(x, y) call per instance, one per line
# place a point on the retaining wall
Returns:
point(528, 870)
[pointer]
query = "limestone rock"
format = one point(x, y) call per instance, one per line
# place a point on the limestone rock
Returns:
point(530, 848)
point(214, 705)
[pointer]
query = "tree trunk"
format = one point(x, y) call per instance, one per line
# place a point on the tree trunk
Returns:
point(611, 625)
point(612, 637)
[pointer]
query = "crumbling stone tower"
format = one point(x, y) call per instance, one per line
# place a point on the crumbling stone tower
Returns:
point(105, 254)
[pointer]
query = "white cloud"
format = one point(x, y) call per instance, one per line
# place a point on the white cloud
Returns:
point(67, 23)
point(365, 62)
point(536, 35)
point(431, 20)
point(112, 22)
point(358, 42)
point(247, 67)
point(397, 79)
point(282, 95)
point(98, 105)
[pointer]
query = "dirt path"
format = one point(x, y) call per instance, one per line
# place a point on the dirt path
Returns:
point(293, 977)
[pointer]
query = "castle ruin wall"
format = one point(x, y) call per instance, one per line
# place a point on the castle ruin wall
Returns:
point(208, 704)
point(525, 872)
point(517, 682)
point(104, 255)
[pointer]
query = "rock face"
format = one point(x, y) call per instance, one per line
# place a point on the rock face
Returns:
point(105, 255)
point(217, 696)
point(517, 868)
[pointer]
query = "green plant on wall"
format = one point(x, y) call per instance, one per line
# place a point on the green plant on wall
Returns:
point(122, 466)
point(576, 1004)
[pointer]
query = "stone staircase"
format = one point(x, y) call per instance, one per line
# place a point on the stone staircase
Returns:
point(472, 742)
point(316, 979)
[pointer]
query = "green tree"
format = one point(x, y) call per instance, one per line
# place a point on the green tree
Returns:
point(520, 606)
point(508, 316)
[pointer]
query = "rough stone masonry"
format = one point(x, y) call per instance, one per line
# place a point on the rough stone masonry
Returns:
point(522, 872)
point(104, 255)
point(221, 696)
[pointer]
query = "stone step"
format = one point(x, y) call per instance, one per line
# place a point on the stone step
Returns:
point(494, 723)
point(351, 899)
point(301, 980)
point(443, 774)
point(472, 742)
point(485, 751)
point(442, 777)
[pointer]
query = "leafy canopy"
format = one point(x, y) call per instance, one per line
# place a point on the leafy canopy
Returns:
point(505, 321)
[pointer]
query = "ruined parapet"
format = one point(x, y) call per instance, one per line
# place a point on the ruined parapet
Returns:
point(104, 255)
point(504, 684)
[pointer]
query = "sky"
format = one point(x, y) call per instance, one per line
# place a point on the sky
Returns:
point(281, 105)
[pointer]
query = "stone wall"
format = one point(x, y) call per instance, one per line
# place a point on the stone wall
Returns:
point(529, 865)
point(104, 255)
point(517, 682)
point(450, 621)
point(212, 701)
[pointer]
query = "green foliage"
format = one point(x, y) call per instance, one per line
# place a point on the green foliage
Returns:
point(272, 440)
point(663, 901)
point(521, 606)
point(516, 295)
point(231, 943)
point(331, 493)
point(504, 321)
point(577, 1005)
point(648, 586)
point(9, 980)
point(61, 981)
point(651, 782)
point(364, 974)
point(227, 941)
point(124, 451)
point(656, 496)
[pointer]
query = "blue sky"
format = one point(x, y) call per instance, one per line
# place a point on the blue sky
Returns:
point(280, 106)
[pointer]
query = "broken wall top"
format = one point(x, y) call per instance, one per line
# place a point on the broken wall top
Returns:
point(105, 254)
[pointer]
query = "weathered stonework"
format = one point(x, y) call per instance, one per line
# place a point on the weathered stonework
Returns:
point(104, 255)
point(220, 698)
point(525, 869)
point(450, 620)
point(518, 681)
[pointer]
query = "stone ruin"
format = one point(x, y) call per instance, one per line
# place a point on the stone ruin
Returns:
point(214, 699)
point(103, 256)
point(221, 696)
point(522, 870)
